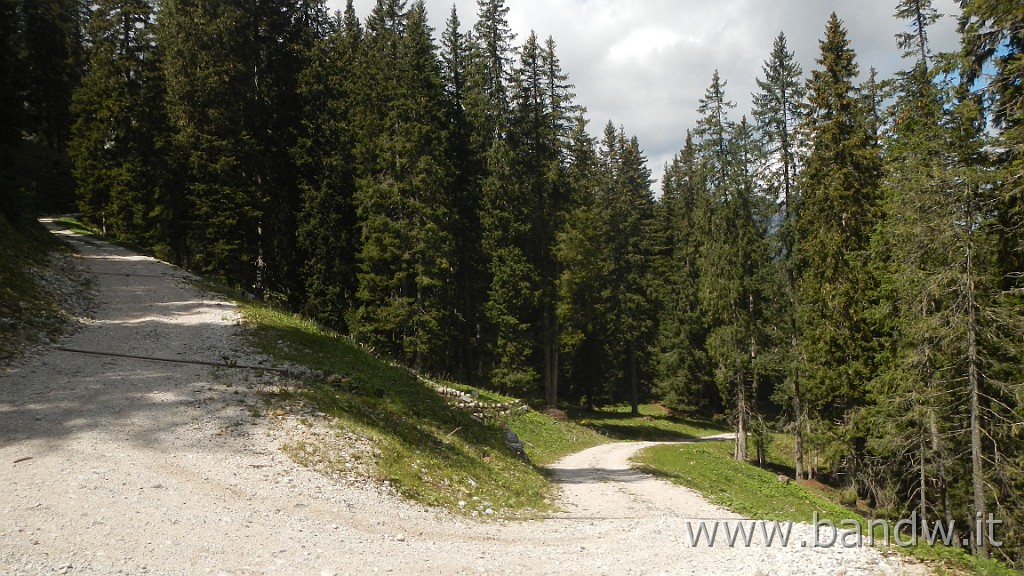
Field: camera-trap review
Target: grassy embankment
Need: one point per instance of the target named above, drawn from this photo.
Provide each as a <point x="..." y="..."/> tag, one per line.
<point x="28" y="313"/>
<point x="757" y="493"/>
<point x="428" y="450"/>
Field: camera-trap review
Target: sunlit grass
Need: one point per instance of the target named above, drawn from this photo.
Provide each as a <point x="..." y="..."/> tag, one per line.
<point x="429" y="451"/>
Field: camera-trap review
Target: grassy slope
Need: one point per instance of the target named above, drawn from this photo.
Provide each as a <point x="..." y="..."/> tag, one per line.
<point x="745" y="489"/>
<point x="429" y="451"/>
<point x="757" y="493"/>
<point x="26" y="310"/>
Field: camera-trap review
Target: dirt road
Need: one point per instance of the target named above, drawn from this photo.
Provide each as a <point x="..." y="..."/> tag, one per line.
<point x="116" y="465"/>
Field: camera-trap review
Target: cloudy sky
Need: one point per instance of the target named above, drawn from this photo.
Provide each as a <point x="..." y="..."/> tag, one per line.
<point x="644" y="64"/>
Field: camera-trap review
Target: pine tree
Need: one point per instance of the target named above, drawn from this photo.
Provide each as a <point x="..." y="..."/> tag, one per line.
<point x="11" y="199"/>
<point x="489" y="73"/>
<point x="470" y="263"/>
<point x="778" y="111"/>
<point x="325" y="158"/>
<point x="117" y="142"/>
<point x="525" y="202"/>
<point x="838" y="210"/>
<point x="584" y="264"/>
<point x="683" y="372"/>
<point x="731" y="264"/>
<point x="406" y="246"/>
<point x="51" y="57"/>
<point x="992" y="43"/>
<point x="232" y="81"/>
<point x="629" y="208"/>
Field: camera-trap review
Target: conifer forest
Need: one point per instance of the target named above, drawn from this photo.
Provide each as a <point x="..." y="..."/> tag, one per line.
<point x="842" y="263"/>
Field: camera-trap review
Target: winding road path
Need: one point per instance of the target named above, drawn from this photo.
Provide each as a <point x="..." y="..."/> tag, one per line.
<point x="119" y="465"/>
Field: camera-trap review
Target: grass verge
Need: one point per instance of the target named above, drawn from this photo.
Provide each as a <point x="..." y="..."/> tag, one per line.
<point x="429" y="451"/>
<point x="655" y="423"/>
<point x="708" y="467"/>
<point x="28" y="313"/>
<point x="755" y="493"/>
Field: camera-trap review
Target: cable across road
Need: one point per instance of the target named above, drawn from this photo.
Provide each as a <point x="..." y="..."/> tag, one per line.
<point x="172" y="360"/>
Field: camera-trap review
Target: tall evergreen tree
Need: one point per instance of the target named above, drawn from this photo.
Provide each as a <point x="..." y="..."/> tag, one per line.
<point x="731" y="264"/>
<point x="232" y="80"/>
<point x="50" y="39"/>
<point x="470" y="263"/>
<point x="489" y="73"/>
<point x="325" y="157"/>
<point x="119" y="136"/>
<point x="838" y="210"/>
<point x="402" y="196"/>
<point x="683" y="373"/>
<point x="584" y="264"/>
<point x="778" y="112"/>
<point x="10" y="106"/>
<point x="629" y="207"/>
<point x="525" y="201"/>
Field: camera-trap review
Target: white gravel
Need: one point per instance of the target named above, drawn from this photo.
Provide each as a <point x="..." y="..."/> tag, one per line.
<point x="113" y="465"/>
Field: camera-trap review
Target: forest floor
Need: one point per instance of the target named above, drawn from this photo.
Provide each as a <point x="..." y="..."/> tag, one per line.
<point x="114" y="464"/>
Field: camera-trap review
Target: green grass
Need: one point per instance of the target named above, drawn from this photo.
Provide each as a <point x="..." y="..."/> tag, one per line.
<point x="654" y="423"/>
<point x="745" y="489"/>
<point x="708" y="467"/>
<point x="428" y="451"/>
<point x="548" y="439"/>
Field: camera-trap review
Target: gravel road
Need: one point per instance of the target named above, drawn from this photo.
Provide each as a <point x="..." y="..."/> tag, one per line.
<point x="117" y="465"/>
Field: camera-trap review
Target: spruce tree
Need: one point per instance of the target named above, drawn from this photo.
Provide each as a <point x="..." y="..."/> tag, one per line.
<point x="50" y="40"/>
<point x="470" y="263"/>
<point x="629" y="207"/>
<point x="117" y="141"/>
<point x="525" y="202"/>
<point x="404" y="293"/>
<point x="584" y="264"/>
<point x="232" y="81"/>
<point x="683" y="374"/>
<point x="11" y="107"/>
<point x="838" y="211"/>
<point x="778" y="112"/>
<point x="325" y="158"/>
<point x="731" y="264"/>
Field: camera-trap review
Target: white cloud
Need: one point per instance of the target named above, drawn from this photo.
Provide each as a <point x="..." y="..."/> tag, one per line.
<point x="644" y="64"/>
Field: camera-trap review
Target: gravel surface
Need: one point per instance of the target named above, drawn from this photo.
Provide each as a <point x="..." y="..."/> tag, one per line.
<point x="117" y="465"/>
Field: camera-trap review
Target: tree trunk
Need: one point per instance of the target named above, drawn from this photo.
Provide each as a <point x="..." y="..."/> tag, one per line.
<point x="550" y="393"/>
<point x="980" y="546"/>
<point x="634" y="380"/>
<point x="741" y="419"/>
<point x="798" y="428"/>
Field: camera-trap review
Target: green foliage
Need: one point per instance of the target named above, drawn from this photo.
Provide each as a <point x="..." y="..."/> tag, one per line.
<point x="325" y="158"/>
<point x="232" y="76"/>
<point x="838" y="211"/>
<point x="682" y="367"/>
<point x="120" y="131"/>
<point x="404" y="280"/>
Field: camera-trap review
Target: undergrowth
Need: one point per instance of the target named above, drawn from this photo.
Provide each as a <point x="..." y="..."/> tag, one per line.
<point x="27" y="311"/>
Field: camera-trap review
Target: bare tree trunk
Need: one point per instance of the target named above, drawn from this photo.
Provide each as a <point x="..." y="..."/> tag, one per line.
<point x="741" y="419"/>
<point x="634" y="380"/>
<point x="550" y="392"/>
<point x="980" y="546"/>
<point x="798" y="428"/>
<point x="922" y="505"/>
